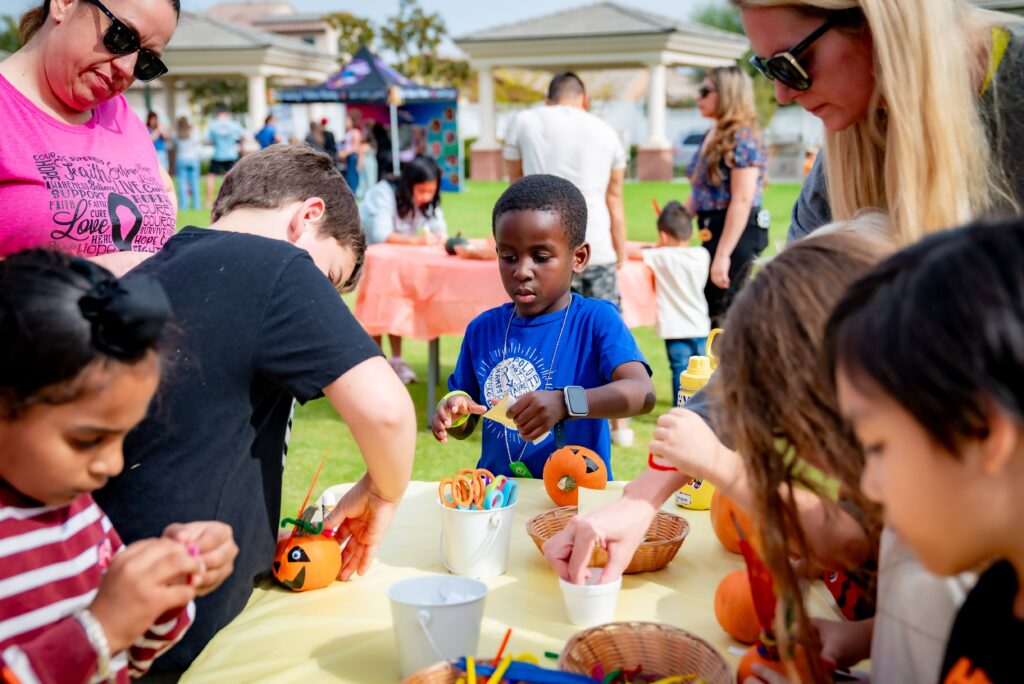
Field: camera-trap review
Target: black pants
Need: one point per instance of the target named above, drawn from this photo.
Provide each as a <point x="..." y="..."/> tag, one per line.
<point x="751" y="244"/>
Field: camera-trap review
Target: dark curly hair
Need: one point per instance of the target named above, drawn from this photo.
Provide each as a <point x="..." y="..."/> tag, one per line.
<point x="543" y="192"/>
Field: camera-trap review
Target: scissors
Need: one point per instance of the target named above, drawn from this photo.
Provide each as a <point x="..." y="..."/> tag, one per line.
<point x="466" y="490"/>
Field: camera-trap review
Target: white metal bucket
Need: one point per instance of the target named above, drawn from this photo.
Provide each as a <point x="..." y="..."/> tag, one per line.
<point x="475" y="543"/>
<point x="435" y="618"/>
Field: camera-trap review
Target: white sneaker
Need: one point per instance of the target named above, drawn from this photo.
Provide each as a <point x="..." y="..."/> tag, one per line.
<point x="623" y="437"/>
<point x="404" y="371"/>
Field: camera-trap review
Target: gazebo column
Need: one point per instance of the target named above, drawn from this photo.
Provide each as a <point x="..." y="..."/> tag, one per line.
<point x="486" y="163"/>
<point x="654" y="158"/>
<point x="257" y="101"/>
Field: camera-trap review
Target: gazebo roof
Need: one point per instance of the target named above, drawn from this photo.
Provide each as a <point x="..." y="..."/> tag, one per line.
<point x="602" y="35"/>
<point x="204" y="46"/>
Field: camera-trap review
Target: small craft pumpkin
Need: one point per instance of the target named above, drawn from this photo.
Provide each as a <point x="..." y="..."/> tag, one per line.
<point x="569" y="468"/>
<point x="734" y="607"/>
<point x="722" y="510"/>
<point x="305" y="562"/>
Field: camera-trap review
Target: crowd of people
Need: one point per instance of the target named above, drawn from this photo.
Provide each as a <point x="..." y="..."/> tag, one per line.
<point x="868" y="373"/>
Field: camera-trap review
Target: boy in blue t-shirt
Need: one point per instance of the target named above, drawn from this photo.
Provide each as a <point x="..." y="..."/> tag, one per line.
<point x="567" y="362"/>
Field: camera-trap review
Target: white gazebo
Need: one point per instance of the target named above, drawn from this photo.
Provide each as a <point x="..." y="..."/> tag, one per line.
<point x="204" y="47"/>
<point x="604" y="35"/>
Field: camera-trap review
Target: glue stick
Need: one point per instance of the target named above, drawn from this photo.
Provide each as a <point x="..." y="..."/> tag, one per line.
<point x="327" y="504"/>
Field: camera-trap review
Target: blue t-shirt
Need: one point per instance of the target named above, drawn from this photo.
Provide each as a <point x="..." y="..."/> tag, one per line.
<point x="594" y="343"/>
<point x="224" y="135"/>
<point x="266" y="136"/>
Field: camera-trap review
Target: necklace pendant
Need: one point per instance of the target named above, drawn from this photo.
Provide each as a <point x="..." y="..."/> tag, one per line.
<point x="519" y="469"/>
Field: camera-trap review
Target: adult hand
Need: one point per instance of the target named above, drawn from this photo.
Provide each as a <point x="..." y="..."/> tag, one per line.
<point x="431" y="238"/>
<point x="144" y="581"/>
<point x="682" y="438"/>
<point x="361" y="517"/>
<point x="720" y="270"/>
<point x="537" y="412"/>
<point x="450" y="410"/>
<point x="217" y="550"/>
<point x="618" y="529"/>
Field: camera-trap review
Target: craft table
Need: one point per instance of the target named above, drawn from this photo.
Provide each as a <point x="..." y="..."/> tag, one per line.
<point x="422" y="293"/>
<point x="343" y="633"/>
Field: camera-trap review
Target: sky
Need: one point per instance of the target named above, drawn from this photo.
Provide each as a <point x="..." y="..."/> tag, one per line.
<point x="461" y="16"/>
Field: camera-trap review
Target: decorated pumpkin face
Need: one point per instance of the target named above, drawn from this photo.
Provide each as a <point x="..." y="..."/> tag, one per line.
<point x="307" y="562"/>
<point x="572" y="467"/>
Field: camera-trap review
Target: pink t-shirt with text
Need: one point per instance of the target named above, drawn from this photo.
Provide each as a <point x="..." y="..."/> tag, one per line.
<point x="87" y="189"/>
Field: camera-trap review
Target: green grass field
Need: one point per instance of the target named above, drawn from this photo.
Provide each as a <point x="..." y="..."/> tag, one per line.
<point x="317" y="427"/>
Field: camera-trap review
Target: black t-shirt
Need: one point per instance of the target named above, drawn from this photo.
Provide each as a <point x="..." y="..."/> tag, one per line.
<point x="986" y="638"/>
<point x="255" y="324"/>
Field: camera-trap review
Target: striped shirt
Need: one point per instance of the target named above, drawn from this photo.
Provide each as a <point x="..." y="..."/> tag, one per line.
<point x="52" y="559"/>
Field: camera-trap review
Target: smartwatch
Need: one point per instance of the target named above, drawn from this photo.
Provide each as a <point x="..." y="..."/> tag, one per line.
<point x="576" y="401"/>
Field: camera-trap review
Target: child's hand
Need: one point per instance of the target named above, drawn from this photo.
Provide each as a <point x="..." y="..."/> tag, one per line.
<point x="449" y="411"/>
<point x="143" y="582"/>
<point x="683" y="439"/>
<point x="537" y="412"/>
<point x="843" y="643"/>
<point x="213" y="544"/>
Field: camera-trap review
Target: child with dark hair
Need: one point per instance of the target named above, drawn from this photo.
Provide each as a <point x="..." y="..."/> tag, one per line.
<point x="80" y="367"/>
<point x="256" y="298"/>
<point x="565" y="362"/>
<point x="406" y="211"/>
<point x="928" y="355"/>
<point x="680" y="274"/>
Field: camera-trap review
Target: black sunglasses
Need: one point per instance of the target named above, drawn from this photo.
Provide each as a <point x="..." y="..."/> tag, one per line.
<point x="121" y="39"/>
<point x="704" y="91"/>
<point x="784" y="66"/>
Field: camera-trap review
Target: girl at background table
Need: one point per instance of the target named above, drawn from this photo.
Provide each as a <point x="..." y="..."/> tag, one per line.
<point x="159" y="137"/>
<point x="405" y="210"/>
<point x="939" y="409"/>
<point x="77" y="604"/>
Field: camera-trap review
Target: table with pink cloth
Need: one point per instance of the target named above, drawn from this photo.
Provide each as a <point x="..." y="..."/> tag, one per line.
<point x="422" y="292"/>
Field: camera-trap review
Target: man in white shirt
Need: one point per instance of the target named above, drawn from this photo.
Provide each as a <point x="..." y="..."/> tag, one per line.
<point x="565" y="140"/>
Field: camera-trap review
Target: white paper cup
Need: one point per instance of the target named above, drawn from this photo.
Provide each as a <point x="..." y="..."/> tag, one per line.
<point x="590" y="604"/>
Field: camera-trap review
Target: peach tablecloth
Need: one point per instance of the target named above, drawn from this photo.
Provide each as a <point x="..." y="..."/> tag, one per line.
<point x="423" y="293"/>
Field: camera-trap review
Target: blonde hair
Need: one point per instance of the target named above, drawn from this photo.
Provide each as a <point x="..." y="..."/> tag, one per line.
<point x="735" y="111"/>
<point x="921" y="153"/>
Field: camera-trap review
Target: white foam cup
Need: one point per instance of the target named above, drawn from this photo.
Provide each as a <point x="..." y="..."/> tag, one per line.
<point x="590" y="604"/>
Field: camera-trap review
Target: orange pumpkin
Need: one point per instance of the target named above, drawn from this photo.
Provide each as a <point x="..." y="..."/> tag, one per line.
<point x="307" y="562"/>
<point x="734" y="607"/>
<point x="569" y="468"/>
<point x="722" y="508"/>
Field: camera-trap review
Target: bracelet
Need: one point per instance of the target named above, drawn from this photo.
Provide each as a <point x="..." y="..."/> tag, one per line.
<point x="98" y="639"/>
<point x="461" y="420"/>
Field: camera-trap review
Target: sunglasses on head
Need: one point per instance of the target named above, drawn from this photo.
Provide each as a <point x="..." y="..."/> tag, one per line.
<point x="784" y="66"/>
<point x="704" y="91"/>
<point x="120" y="39"/>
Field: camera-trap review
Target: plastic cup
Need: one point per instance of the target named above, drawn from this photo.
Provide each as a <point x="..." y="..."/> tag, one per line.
<point x="590" y="604"/>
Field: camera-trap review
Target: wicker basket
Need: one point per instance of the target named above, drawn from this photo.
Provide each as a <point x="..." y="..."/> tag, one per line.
<point x="660" y="545"/>
<point x="660" y="649"/>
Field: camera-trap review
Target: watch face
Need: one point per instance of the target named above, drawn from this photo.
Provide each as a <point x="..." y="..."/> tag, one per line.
<point x="576" y="398"/>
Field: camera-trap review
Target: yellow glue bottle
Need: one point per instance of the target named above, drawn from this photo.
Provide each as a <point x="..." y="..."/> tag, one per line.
<point x="696" y="496"/>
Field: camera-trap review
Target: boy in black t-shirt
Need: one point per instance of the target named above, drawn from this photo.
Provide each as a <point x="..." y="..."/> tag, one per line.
<point x="261" y="324"/>
<point x="928" y="350"/>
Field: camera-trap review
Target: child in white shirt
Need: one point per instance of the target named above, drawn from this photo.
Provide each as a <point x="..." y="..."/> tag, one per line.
<point x="680" y="273"/>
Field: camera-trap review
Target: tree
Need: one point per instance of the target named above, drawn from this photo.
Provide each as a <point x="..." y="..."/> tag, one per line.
<point x="727" y="18"/>
<point x="210" y="94"/>
<point x="413" y="36"/>
<point x="10" y="41"/>
<point x="355" y="32"/>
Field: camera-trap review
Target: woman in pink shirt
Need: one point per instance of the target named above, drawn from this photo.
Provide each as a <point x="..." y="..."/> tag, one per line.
<point x="78" y="172"/>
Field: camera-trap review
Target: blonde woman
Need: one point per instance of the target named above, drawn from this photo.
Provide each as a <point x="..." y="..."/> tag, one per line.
<point x="928" y="129"/>
<point x="727" y="179"/>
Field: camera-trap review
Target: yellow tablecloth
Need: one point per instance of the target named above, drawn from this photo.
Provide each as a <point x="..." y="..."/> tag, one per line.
<point x="343" y="633"/>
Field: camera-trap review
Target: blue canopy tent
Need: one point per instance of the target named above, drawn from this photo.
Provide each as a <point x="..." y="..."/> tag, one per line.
<point x="369" y="85"/>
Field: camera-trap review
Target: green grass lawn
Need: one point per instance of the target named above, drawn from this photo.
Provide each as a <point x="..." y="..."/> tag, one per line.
<point x="317" y="427"/>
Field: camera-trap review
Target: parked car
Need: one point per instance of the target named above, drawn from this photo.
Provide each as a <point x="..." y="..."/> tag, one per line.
<point x="687" y="145"/>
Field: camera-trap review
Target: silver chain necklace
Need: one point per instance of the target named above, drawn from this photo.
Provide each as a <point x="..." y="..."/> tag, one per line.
<point x="517" y="466"/>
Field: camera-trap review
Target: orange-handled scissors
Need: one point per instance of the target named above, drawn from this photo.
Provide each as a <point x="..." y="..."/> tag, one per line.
<point x="466" y="490"/>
